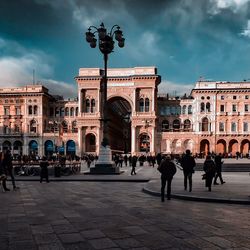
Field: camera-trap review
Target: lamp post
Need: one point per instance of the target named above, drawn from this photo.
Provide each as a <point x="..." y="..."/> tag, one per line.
<point x="106" y="43"/>
<point x="106" y="46"/>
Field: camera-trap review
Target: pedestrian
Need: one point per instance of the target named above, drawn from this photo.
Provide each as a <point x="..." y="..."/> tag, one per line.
<point x="188" y="164"/>
<point x="218" y="166"/>
<point x="167" y="169"/>
<point x="133" y="161"/>
<point x="209" y="169"/>
<point x="3" y="173"/>
<point x="8" y="165"/>
<point x="44" y="174"/>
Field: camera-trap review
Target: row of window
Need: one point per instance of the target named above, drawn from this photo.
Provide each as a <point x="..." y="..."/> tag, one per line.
<point x="7" y="110"/>
<point x="222" y="97"/>
<point x="175" y="110"/>
<point x="234" y="108"/>
<point x="175" y="125"/>
<point x="61" y="112"/>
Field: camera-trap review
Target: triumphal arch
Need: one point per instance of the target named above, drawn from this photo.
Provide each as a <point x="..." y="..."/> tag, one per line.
<point x="131" y="100"/>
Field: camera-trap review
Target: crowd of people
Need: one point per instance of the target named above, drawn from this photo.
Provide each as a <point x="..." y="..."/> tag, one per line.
<point x="166" y="165"/>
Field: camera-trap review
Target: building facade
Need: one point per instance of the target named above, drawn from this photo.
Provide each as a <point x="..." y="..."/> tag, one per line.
<point x="215" y="117"/>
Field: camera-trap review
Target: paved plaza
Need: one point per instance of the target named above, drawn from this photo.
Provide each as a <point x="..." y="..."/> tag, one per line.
<point x="117" y="215"/>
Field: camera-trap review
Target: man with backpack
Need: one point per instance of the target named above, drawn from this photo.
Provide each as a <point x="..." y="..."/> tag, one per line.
<point x="167" y="169"/>
<point x="188" y="164"/>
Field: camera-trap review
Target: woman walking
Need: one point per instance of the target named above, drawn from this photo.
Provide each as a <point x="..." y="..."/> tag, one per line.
<point x="3" y="173"/>
<point x="209" y="169"/>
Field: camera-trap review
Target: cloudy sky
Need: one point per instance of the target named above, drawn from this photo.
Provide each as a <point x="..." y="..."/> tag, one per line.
<point x="184" y="39"/>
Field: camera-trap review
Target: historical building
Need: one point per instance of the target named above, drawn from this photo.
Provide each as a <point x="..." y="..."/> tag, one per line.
<point x="214" y="117"/>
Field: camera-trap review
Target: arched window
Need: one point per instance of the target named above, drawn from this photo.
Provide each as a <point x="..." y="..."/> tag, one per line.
<point x="87" y="106"/>
<point x="67" y="111"/>
<point x="178" y="110"/>
<point x="74" y="127"/>
<point x="77" y="111"/>
<point x="92" y="105"/>
<point x="33" y="126"/>
<point x="187" y="125"/>
<point x="173" y="110"/>
<point x="190" y="111"/>
<point x="204" y="124"/>
<point x="62" y="112"/>
<point x="64" y="127"/>
<point x="176" y="125"/>
<point x="71" y="111"/>
<point x="57" y="112"/>
<point x="146" y="105"/>
<point x="30" y="110"/>
<point x="35" y="110"/>
<point x="184" y="109"/>
<point x="141" y="105"/>
<point x="208" y="107"/>
<point x="165" y="125"/>
<point x="202" y="107"/>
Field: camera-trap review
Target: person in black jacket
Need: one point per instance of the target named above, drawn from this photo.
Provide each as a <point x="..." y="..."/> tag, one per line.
<point x="209" y="169"/>
<point x="218" y="164"/>
<point x="188" y="164"/>
<point x="7" y="164"/>
<point x="134" y="161"/>
<point x="3" y="173"/>
<point x="167" y="169"/>
<point x="44" y="170"/>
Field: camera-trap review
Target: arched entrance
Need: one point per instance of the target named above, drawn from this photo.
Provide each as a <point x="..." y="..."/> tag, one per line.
<point x="204" y="147"/>
<point x="233" y="147"/>
<point x="48" y="148"/>
<point x="33" y="148"/>
<point x="245" y="147"/>
<point x="17" y="148"/>
<point x="119" y="126"/>
<point x="221" y="146"/>
<point x="6" y="146"/>
<point x="71" y="148"/>
<point x="188" y="144"/>
<point x="90" y="143"/>
<point x="144" y="143"/>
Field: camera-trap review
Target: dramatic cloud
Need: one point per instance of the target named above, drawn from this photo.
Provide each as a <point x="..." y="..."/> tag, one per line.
<point x="246" y="31"/>
<point x="176" y="89"/>
<point x="234" y="5"/>
<point x="18" y="70"/>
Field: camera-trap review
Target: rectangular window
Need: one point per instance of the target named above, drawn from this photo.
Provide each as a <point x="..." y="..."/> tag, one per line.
<point x="18" y="110"/>
<point x="222" y="97"/>
<point x="234" y="97"/>
<point x="221" y="127"/>
<point x="222" y="108"/>
<point x="246" y="108"/>
<point x="246" y="97"/>
<point x="233" y="127"/>
<point x="6" y="110"/>
<point x="234" y="108"/>
<point x="245" y="127"/>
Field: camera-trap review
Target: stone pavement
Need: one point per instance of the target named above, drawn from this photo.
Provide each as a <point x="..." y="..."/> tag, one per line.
<point x="115" y="215"/>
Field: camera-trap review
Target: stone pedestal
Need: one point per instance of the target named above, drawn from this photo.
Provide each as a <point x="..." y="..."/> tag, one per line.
<point x="105" y="165"/>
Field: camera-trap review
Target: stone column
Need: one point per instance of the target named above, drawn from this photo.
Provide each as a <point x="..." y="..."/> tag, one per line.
<point x="133" y="140"/>
<point x="80" y="102"/>
<point x="80" y="141"/>
<point x="153" y="100"/>
<point x="134" y="100"/>
<point x="152" y="144"/>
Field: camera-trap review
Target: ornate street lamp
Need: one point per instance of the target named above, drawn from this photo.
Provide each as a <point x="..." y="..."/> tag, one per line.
<point x="106" y="46"/>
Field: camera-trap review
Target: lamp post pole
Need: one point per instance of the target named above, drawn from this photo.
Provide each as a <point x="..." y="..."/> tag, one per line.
<point x="106" y="45"/>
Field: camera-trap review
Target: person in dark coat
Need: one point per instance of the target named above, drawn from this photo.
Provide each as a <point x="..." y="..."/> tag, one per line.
<point x="218" y="165"/>
<point x="167" y="169"/>
<point x="134" y="161"/>
<point x="209" y="169"/>
<point x="188" y="164"/>
<point x="44" y="174"/>
<point x="3" y="173"/>
<point x="7" y="164"/>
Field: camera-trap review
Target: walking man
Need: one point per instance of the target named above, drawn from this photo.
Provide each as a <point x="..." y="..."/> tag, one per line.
<point x="188" y="164"/>
<point x="134" y="161"/>
<point x="218" y="166"/>
<point x="167" y="169"/>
